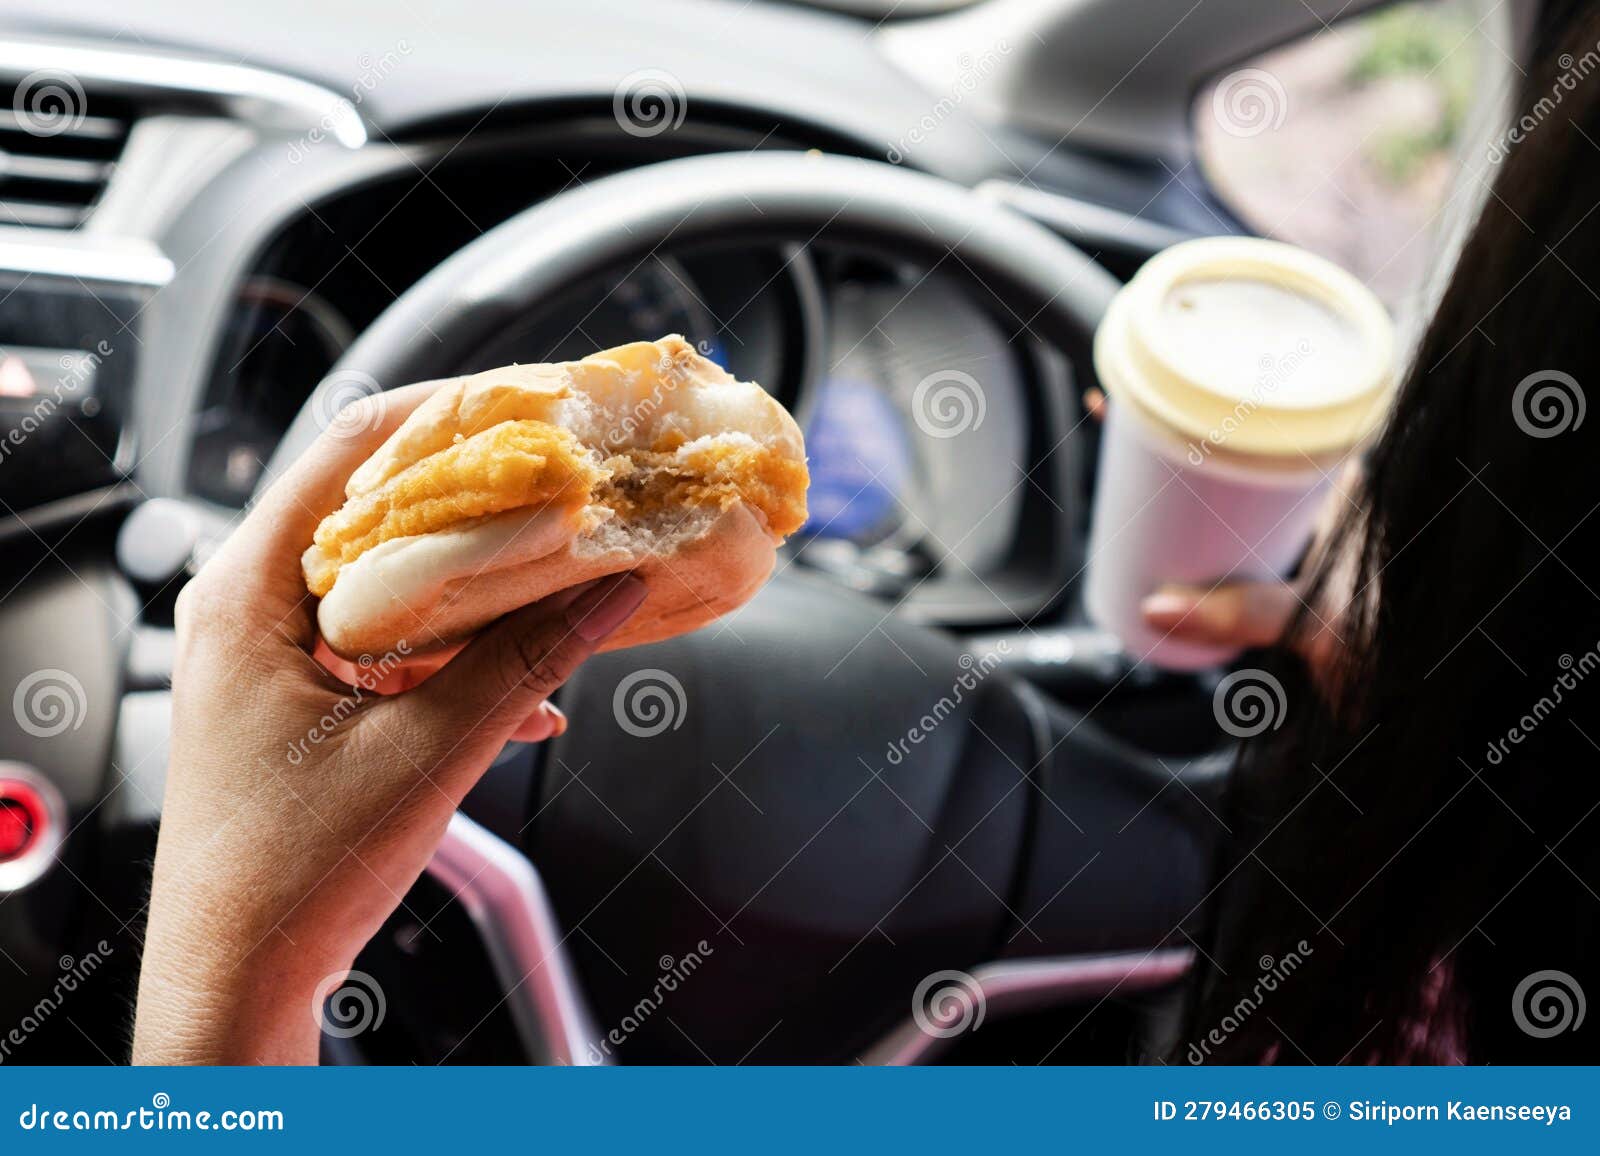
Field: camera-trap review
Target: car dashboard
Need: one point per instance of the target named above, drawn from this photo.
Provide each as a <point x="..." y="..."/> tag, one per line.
<point x="198" y="220"/>
<point x="248" y="224"/>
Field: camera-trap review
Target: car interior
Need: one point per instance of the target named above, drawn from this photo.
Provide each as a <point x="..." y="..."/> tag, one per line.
<point x="911" y="759"/>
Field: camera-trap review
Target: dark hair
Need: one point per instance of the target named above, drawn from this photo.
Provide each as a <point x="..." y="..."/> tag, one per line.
<point x="1427" y="817"/>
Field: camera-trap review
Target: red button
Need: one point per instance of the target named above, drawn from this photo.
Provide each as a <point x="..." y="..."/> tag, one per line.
<point x="16" y="832"/>
<point x="22" y="816"/>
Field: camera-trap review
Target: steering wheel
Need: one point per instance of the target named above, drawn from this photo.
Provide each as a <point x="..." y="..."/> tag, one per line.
<point x="828" y="833"/>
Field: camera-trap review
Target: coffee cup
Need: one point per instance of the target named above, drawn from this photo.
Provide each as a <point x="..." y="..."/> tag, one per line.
<point x="1239" y="374"/>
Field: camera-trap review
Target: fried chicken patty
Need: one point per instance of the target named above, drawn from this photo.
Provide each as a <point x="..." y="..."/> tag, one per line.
<point x="520" y="464"/>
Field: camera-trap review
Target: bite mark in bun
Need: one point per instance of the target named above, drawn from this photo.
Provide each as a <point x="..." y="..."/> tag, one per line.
<point x="512" y="484"/>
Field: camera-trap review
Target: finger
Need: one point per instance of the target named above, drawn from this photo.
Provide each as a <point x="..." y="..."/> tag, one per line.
<point x="546" y="722"/>
<point x="475" y="704"/>
<point x="383" y="677"/>
<point x="1094" y="403"/>
<point x="1238" y="614"/>
<point x="266" y="547"/>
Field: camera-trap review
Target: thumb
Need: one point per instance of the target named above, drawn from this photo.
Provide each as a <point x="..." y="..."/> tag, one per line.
<point x="1244" y="614"/>
<point x="483" y="695"/>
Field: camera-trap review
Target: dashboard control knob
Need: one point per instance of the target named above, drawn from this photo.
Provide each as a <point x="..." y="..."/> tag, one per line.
<point x="160" y="540"/>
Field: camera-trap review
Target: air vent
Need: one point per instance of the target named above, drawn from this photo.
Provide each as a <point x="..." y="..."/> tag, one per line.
<point x="58" y="146"/>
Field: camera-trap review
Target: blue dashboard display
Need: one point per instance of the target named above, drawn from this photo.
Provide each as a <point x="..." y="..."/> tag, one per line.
<point x="860" y="461"/>
<point x="711" y="347"/>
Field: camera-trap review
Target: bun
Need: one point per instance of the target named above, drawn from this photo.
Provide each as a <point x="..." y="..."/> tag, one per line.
<point x="513" y="484"/>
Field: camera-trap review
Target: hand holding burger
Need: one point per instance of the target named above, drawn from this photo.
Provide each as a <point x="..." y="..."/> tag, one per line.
<point x="524" y="518"/>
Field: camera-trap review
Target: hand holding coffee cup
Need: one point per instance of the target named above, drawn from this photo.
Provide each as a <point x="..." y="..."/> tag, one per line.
<point x="1241" y="373"/>
<point x="1257" y="612"/>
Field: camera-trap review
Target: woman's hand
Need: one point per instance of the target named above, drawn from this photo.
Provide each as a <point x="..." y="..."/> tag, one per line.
<point x="1239" y="615"/>
<point x="1252" y="614"/>
<point x="1245" y="615"/>
<point x="301" y="807"/>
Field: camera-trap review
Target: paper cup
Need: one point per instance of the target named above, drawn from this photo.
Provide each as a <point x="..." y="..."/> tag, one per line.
<point x="1240" y="373"/>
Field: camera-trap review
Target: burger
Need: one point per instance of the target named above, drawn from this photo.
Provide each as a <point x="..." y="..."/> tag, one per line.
<point x="513" y="484"/>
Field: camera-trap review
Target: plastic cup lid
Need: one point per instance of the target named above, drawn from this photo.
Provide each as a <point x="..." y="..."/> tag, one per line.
<point x="1254" y="347"/>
